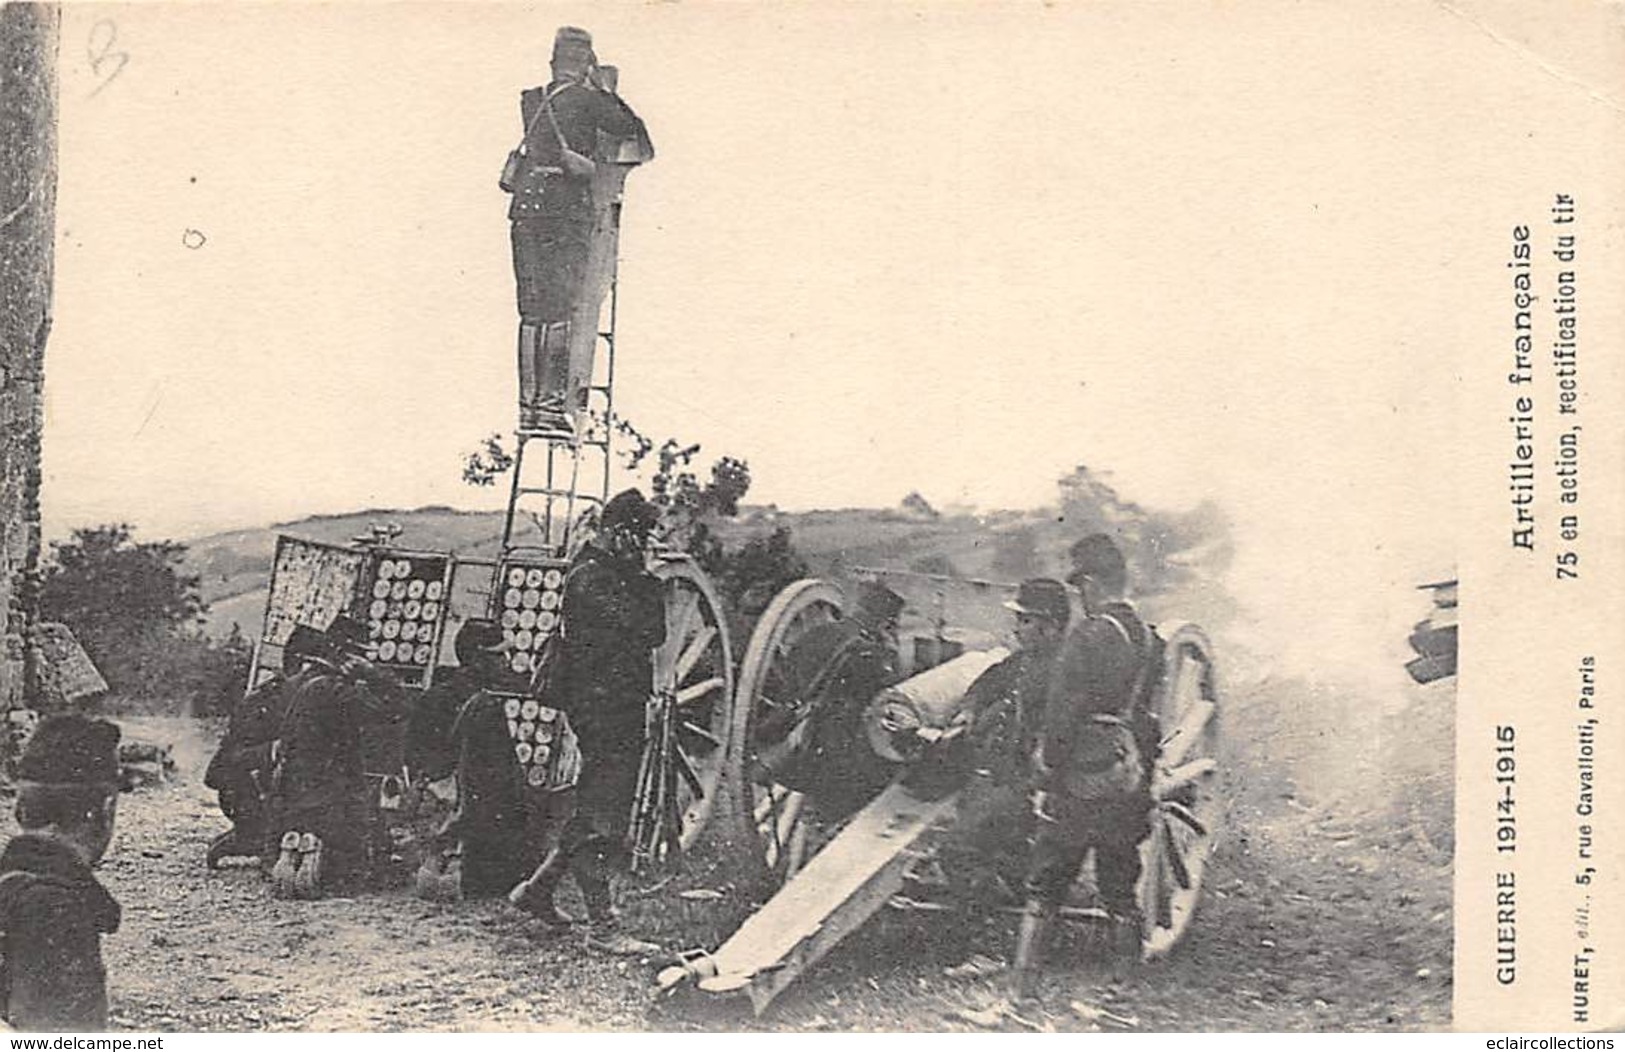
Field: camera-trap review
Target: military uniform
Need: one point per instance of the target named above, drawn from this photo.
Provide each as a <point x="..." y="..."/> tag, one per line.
<point x="1092" y="770"/>
<point x="552" y="210"/>
<point x="834" y="670"/>
<point x="992" y="764"/>
<point x="489" y="822"/>
<point x="54" y="914"/>
<point x="614" y="616"/>
<point x="566" y="177"/>
<point x="320" y="780"/>
<point x="431" y="747"/>
<point x="240" y="771"/>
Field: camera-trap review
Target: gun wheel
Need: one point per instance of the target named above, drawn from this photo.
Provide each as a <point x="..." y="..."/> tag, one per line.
<point x="1188" y="800"/>
<point x="689" y="718"/>
<point x="770" y="817"/>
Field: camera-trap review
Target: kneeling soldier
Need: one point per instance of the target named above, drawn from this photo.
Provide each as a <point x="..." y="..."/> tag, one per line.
<point x="321" y="809"/>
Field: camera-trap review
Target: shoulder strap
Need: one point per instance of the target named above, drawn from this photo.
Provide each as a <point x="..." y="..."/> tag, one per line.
<point x="547" y="108"/>
<point x="1122" y="629"/>
<point x="552" y="118"/>
<point x="1142" y="648"/>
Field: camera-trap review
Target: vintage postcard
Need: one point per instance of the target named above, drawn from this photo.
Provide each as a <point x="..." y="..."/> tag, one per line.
<point x="1051" y="516"/>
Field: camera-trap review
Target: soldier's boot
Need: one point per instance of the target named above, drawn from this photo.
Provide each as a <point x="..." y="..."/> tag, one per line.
<point x="551" y="418"/>
<point x="530" y="339"/>
<point x="604" y="932"/>
<point x="1024" y="971"/>
<point x="534" y="894"/>
<point x="222" y="847"/>
<point x="286" y="869"/>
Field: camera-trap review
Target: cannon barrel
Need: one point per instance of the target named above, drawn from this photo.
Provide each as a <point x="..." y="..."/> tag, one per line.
<point x="903" y="719"/>
<point x="858" y="871"/>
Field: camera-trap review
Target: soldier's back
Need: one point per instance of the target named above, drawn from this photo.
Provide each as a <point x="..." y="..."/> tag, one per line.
<point x="53" y="914"/>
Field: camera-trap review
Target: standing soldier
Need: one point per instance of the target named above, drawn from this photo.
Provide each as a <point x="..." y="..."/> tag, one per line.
<point x="1091" y="769"/>
<point x="553" y="214"/>
<point x="614" y="617"/>
<point x="53" y="912"/>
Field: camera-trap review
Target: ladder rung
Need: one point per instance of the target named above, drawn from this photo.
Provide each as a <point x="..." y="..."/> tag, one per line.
<point x="545" y="491"/>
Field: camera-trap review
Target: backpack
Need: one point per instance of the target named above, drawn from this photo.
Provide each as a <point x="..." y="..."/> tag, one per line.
<point x="1141" y="711"/>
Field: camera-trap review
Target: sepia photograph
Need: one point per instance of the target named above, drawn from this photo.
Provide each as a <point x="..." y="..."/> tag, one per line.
<point x="797" y="517"/>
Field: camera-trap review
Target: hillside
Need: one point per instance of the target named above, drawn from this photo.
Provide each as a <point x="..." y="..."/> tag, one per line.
<point x="1004" y="546"/>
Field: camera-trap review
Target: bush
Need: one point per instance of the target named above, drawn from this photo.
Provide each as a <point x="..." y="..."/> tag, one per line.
<point x="139" y="617"/>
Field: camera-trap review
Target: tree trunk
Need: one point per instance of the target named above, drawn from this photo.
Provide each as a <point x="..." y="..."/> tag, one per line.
<point x="28" y="50"/>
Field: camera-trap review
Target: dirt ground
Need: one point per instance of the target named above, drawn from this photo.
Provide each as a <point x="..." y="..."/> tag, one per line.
<point x="1327" y="907"/>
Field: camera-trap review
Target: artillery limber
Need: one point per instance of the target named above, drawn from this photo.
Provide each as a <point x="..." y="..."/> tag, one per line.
<point x="824" y="887"/>
<point x="412" y="603"/>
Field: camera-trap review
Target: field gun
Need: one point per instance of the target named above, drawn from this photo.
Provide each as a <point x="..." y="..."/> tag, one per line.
<point x="824" y="893"/>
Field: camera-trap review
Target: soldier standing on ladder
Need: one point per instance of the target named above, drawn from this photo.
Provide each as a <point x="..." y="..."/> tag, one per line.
<point x="553" y="213"/>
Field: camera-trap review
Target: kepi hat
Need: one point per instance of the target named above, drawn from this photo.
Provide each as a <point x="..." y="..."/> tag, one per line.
<point x="71" y="749"/>
<point x="876" y="599"/>
<point x="571" y="38"/>
<point x="1042" y="597"/>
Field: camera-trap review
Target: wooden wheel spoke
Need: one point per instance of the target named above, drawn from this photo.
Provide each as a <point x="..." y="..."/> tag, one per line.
<point x="770" y="722"/>
<point x="1163" y="899"/>
<point x="700" y="732"/>
<point x="685" y="770"/>
<point x="689" y="694"/>
<point x="683" y="614"/>
<point x="1185" y="815"/>
<point x="1179" y="742"/>
<point x="1169" y="781"/>
<point x="1176" y="861"/>
<point x="788" y="817"/>
<point x="769" y="801"/>
<point x="694" y="651"/>
<point x="1151" y="879"/>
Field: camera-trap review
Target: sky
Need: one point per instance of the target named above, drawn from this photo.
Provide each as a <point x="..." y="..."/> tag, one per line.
<point x="1238" y="252"/>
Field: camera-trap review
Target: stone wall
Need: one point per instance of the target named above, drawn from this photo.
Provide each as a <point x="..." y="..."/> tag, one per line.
<point x="28" y="47"/>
